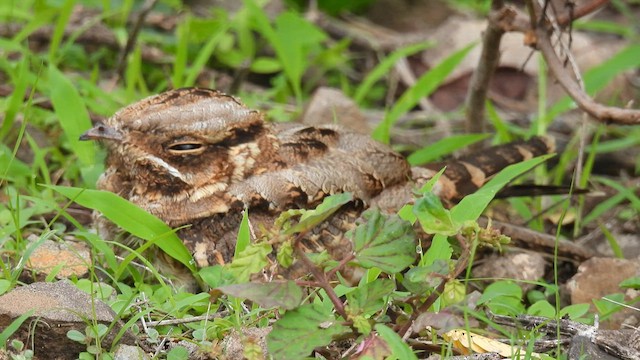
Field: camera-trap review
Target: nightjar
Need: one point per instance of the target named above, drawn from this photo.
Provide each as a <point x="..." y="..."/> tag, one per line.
<point x="198" y="157"/>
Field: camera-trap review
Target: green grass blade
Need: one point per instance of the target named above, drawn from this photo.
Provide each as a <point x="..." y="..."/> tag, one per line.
<point x="131" y="218"/>
<point x="64" y="14"/>
<point x="443" y="147"/>
<point x="14" y="326"/>
<point x="472" y="206"/>
<point x="383" y="68"/>
<point x="205" y="54"/>
<point x="72" y="114"/>
<point x="425" y="86"/>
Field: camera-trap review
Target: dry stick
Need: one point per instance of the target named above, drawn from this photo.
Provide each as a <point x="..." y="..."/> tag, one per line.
<point x="530" y="239"/>
<point x="187" y="320"/>
<point x="581" y="11"/>
<point x="489" y="58"/>
<point x="620" y="343"/>
<point x="598" y="111"/>
<point x="131" y="42"/>
<point x="320" y="277"/>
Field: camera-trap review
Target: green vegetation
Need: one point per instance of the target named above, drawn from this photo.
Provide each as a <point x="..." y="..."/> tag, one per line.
<point x="55" y="90"/>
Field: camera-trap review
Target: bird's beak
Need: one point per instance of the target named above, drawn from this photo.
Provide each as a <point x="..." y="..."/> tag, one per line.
<point x="101" y="132"/>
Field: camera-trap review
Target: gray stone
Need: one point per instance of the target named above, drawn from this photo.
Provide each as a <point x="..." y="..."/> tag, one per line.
<point x="57" y="308"/>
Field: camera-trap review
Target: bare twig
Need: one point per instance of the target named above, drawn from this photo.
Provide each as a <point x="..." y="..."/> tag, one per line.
<point x="321" y="278"/>
<point x="188" y="320"/>
<point x="621" y="343"/>
<point x="133" y="37"/>
<point x="581" y="11"/>
<point x="584" y="101"/>
<point x="489" y="58"/>
<point x="530" y="239"/>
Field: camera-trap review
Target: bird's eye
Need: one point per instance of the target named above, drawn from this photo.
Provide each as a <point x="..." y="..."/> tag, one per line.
<point x="186" y="148"/>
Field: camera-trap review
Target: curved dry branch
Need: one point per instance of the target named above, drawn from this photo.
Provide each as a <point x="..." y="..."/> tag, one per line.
<point x="585" y="102"/>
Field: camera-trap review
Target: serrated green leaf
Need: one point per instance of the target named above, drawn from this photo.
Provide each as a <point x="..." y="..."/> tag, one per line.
<point x="72" y="113"/>
<point x="420" y="279"/>
<point x="130" y="218"/>
<point x="250" y="261"/>
<point x="284" y="256"/>
<point x="361" y="323"/>
<point x="369" y="298"/>
<point x="311" y="218"/>
<point x="216" y="275"/>
<point x="433" y="217"/>
<point x="282" y="294"/>
<point x="386" y="242"/>
<point x="299" y="331"/>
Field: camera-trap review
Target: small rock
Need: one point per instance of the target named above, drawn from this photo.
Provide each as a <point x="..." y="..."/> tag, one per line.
<point x="235" y="344"/>
<point x="129" y="352"/>
<point x="332" y="106"/>
<point x="598" y="277"/>
<point x="75" y="257"/>
<point x="527" y="266"/>
<point x="58" y="307"/>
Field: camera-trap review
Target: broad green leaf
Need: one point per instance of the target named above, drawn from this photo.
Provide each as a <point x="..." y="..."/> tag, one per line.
<point x="311" y="218"/>
<point x="631" y="283"/>
<point x="4" y="286"/>
<point x="77" y="336"/>
<point x="249" y="261"/>
<point x="72" y="114"/>
<point x="130" y="218"/>
<point x="503" y="297"/>
<point x="399" y="348"/>
<point x="299" y="331"/>
<point x="368" y="298"/>
<point x="20" y="80"/>
<point x="443" y="147"/>
<point x="420" y="279"/>
<point x="424" y="86"/>
<point x="472" y="206"/>
<point x="609" y="304"/>
<point x="542" y="308"/>
<point x="264" y="65"/>
<point x="382" y="69"/>
<point x="177" y="353"/>
<point x="385" y="242"/>
<point x="216" y="275"/>
<point x="282" y="294"/>
<point x="433" y="217"/>
<point x="574" y="311"/>
<point x="10" y="167"/>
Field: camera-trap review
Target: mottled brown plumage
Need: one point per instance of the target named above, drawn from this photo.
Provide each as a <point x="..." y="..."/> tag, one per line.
<point x="198" y="157"/>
